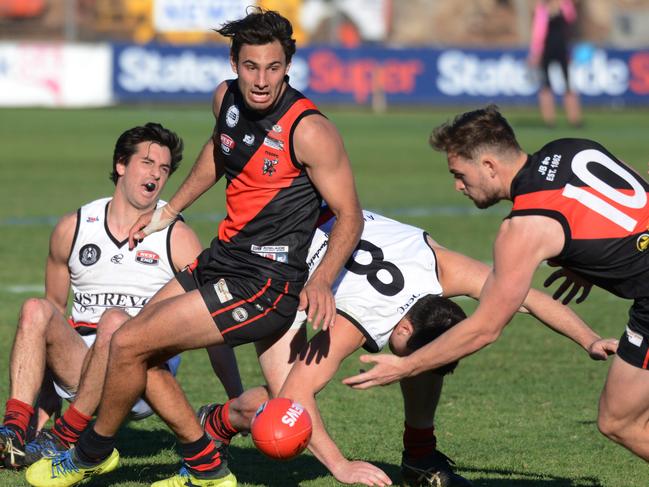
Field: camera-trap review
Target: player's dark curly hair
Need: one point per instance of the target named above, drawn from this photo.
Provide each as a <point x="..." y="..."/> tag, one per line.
<point x="470" y="132"/>
<point x="257" y="28"/>
<point x="126" y="145"/>
<point x="430" y="317"/>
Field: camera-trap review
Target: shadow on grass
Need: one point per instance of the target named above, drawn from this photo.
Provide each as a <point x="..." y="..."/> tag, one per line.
<point x="137" y="443"/>
<point x="525" y="479"/>
<point x="251" y="467"/>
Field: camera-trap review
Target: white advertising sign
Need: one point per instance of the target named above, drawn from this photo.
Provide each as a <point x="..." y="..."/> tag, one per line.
<point x="196" y="15"/>
<point x="57" y="75"/>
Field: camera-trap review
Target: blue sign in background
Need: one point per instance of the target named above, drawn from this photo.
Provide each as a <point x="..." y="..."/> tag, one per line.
<point x="402" y="76"/>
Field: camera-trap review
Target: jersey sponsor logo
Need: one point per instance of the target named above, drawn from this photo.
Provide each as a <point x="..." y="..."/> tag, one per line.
<point x="222" y="291"/>
<point x="87" y="301"/>
<point x="633" y="337"/>
<point x="147" y="257"/>
<point x="277" y="253"/>
<point x="117" y="258"/>
<point x="232" y="116"/>
<point x="239" y="314"/>
<point x="249" y="139"/>
<point x="274" y="143"/>
<point x="642" y="243"/>
<point x="269" y="166"/>
<point x="227" y="144"/>
<point x="89" y="254"/>
<point x="406" y="306"/>
<point x="92" y="219"/>
<point x="315" y="258"/>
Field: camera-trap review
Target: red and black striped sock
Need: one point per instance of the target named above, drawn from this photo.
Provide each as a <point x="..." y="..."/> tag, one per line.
<point x="201" y="457"/>
<point x="69" y="427"/>
<point x="419" y="442"/>
<point x="218" y="424"/>
<point x="17" y="416"/>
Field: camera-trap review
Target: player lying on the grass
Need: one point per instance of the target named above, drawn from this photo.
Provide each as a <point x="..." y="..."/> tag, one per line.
<point x="88" y="253"/>
<point x="574" y="203"/>
<point x="387" y="295"/>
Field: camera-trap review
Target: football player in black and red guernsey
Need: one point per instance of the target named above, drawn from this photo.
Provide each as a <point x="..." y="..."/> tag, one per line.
<point x="575" y="204"/>
<point x="280" y="157"/>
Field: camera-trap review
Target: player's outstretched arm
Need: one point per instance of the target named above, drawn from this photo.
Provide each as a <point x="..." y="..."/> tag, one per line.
<point x="520" y="246"/>
<point x="462" y="275"/>
<point x="320" y="148"/>
<point x="565" y="321"/>
<point x="318" y="363"/>
<point x="205" y="172"/>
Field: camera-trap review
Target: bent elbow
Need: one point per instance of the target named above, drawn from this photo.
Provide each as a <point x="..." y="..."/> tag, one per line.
<point x="488" y="337"/>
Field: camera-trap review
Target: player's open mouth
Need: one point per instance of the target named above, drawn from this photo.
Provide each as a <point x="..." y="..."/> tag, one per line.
<point x="150" y="187"/>
<point x="259" y="96"/>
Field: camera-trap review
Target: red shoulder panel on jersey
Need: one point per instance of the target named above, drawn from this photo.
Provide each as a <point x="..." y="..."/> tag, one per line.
<point x="269" y="171"/>
<point x="585" y="220"/>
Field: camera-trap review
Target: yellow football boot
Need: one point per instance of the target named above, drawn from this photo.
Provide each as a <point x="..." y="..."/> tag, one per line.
<point x="61" y="470"/>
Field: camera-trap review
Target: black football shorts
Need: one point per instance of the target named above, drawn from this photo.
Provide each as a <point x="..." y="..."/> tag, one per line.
<point x="245" y="309"/>
<point x="634" y="343"/>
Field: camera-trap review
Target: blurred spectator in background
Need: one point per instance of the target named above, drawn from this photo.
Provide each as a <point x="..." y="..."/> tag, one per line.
<point x="551" y="32"/>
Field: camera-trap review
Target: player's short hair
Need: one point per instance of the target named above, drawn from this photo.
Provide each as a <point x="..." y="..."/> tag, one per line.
<point x="430" y="317"/>
<point x="126" y="145"/>
<point x="471" y="132"/>
<point x="257" y="28"/>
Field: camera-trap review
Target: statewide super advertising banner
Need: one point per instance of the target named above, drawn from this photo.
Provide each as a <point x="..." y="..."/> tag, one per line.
<point x="401" y="76"/>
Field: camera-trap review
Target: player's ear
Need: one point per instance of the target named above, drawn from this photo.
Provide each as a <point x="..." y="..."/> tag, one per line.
<point x="233" y="65"/>
<point x="404" y="328"/>
<point x="120" y="167"/>
<point x="489" y="163"/>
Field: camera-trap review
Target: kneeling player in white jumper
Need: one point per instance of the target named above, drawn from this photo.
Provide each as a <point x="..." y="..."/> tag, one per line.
<point x="89" y="254"/>
<point x="389" y="293"/>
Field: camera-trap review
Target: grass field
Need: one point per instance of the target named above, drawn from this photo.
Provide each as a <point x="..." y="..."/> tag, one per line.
<point x="520" y="413"/>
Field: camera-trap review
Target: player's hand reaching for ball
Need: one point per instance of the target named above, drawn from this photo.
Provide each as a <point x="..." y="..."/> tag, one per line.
<point x="358" y="472"/>
<point x="388" y="369"/>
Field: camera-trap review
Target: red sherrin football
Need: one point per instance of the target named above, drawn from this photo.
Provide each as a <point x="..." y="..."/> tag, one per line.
<point x="281" y="428"/>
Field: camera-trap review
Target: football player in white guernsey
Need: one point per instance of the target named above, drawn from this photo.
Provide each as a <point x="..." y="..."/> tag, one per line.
<point x="89" y="255"/>
<point x="390" y="293"/>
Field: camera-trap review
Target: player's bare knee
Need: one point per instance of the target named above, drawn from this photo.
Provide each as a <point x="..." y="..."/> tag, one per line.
<point x="109" y="323"/>
<point x="124" y="346"/>
<point x="35" y="315"/>
<point x="610" y="426"/>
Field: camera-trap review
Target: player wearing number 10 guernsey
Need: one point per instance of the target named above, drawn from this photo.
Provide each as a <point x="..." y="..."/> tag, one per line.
<point x="576" y="205"/>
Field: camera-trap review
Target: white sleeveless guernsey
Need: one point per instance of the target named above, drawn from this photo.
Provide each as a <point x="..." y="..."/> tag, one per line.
<point x="105" y="274"/>
<point x="391" y="269"/>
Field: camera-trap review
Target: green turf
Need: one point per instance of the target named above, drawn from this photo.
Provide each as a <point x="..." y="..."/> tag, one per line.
<point x="519" y="414"/>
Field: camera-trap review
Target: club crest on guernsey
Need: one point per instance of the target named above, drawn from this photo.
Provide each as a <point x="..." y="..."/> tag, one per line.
<point x="232" y="116"/>
<point x="269" y="166"/>
<point x="89" y="254"/>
